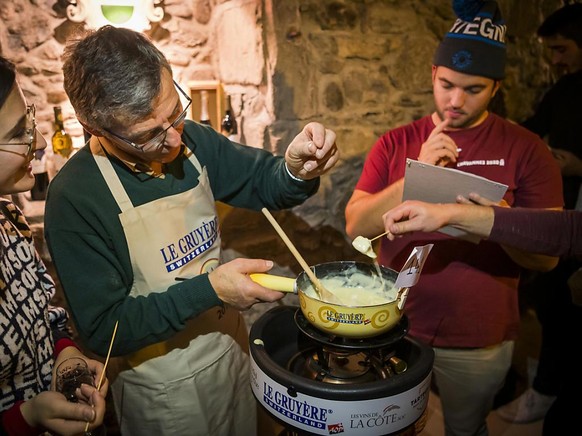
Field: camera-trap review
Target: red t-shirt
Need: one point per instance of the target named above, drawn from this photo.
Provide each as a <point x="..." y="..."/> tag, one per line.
<point x="467" y="293"/>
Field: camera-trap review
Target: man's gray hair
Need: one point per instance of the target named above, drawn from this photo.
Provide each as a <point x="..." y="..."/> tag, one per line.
<point x="112" y="77"/>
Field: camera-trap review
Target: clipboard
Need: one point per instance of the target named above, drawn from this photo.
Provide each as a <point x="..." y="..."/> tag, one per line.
<point x="434" y="184"/>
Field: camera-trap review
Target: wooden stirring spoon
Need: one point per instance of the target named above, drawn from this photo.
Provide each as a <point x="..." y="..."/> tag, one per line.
<point x="322" y="293"/>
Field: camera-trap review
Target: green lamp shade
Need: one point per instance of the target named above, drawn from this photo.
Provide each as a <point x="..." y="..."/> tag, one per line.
<point x="117" y="14"/>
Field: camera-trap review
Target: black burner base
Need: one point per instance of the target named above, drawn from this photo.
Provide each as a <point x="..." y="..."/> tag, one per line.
<point x="393" y="405"/>
<point x="280" y="340"/>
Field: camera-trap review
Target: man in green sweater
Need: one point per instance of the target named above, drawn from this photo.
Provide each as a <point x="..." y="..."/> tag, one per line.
<point x="133" y="232"/>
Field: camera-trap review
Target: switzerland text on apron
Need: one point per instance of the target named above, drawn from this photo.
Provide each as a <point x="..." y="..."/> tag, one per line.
<point x="196" y="383"/>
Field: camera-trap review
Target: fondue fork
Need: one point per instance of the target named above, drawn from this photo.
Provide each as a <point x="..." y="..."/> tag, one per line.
<point x="364" y="245"/>
<point x="87" y="432"/>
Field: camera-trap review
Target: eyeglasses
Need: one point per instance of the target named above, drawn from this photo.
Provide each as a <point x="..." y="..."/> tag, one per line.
<point x="158" y="140"/>
<point x="30" y="130"/>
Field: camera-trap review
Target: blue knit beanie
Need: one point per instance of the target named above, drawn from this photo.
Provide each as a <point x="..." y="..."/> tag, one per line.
<point x="475" y="44"/>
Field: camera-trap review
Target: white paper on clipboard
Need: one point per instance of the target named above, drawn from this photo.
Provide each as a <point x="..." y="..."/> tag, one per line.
<point x="434" y="184"/>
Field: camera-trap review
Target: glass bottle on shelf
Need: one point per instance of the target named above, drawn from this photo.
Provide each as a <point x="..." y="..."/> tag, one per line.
<point x="229" y="126"/>
<point x="41" y="178"/>
<point x="204" y="114"/>
<point x="61" y="140"/>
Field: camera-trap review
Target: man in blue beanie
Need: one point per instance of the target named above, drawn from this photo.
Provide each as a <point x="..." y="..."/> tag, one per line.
<point x="466" y="304"/>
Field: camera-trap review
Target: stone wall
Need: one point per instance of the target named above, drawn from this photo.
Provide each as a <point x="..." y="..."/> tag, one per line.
<point x="359" y="67"/>
<point x="364" y="67"/>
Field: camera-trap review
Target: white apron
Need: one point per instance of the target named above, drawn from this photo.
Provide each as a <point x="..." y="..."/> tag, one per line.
<point x="197" y="382"/>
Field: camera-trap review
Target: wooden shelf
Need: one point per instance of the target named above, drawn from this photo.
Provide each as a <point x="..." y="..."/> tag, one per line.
<point x="215" y="100"/>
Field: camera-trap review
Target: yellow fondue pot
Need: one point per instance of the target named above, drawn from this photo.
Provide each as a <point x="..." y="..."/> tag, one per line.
<point x="357" y="322"/>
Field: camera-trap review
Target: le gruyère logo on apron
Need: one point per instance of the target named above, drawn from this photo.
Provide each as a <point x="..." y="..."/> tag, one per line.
<point x="188" y="247"/>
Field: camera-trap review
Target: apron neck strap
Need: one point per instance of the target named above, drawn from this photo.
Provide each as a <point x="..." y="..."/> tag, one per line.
<point x="112" y="179"/>
<point x="192" y="158"/>
<point x="110" y="176"/>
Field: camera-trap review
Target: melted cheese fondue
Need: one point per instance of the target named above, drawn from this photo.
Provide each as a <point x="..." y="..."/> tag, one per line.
<point x="355" y="288"/>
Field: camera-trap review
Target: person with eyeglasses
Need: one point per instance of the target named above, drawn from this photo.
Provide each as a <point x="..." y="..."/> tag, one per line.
<point x="132" y="229"/>
<point x="34" y="339"/>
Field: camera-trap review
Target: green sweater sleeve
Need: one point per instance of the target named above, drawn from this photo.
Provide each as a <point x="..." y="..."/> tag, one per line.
<point x="97" y="284"/>
<point x="88" y="247"/>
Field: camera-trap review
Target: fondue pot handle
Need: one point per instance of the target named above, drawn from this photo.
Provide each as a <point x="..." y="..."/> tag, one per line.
<point x="277" y="283"/>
